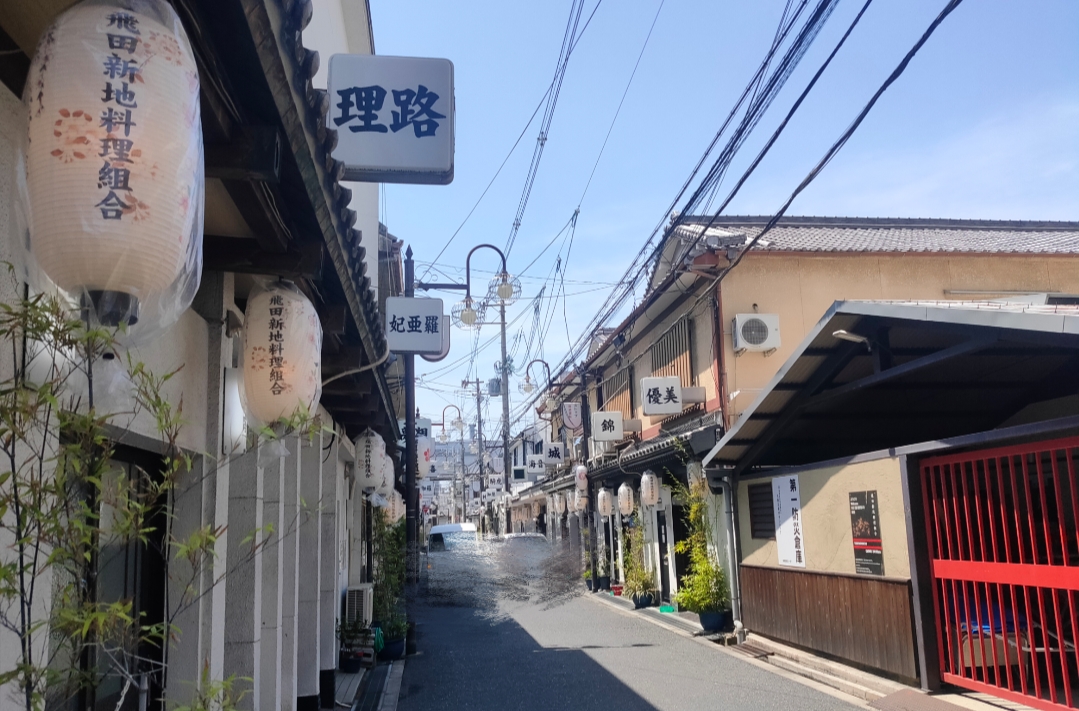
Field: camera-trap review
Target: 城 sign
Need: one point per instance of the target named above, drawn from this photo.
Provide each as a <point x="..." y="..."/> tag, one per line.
<point x="394" y="118"/>
<point x="414" y="325"/>
<point x="553" y="454"/>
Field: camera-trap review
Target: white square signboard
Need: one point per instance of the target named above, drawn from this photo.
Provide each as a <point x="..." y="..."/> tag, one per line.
<point x="790" y="538"/>
<point x="414" y="325"/>
<point x="554" y="454"/>
<point x="661" y="396"/>
<point x="607" y="426"/>
<point x="535" y="464"/>
<point x="394" y="118"/>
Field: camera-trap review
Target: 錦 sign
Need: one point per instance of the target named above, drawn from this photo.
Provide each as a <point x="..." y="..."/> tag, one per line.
<point x="607" y="426"/>
<point x="394" y="118"/>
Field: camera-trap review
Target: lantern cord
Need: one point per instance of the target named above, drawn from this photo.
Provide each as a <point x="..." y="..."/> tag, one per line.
<point x="354" y="371"/>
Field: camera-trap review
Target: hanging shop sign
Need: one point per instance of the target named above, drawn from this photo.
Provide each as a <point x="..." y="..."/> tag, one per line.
<point x="414" y="325"/>
<point x="607" y="426"/>
<point x="394" y="118"/>
<point x="571" y="416"/>
<point x="787" y="500"/>
<point x="282" y="355"/>
<point x="445" y="343"/>
<point x="425" y="453"/>
<point x="427" y="492"/>
<point x="865" y="530"/>
<point x="554" y="454"/>
<point x="661" y="396"/>
<point x="535" y="464"/>
<point x="112" y="188"/>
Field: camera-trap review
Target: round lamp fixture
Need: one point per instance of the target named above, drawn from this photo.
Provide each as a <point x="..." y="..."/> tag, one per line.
<point x="550" y="404"/>
<point x="527" y="386"/>
<point x="458" y="424"/>
<point x="504" y="288"/>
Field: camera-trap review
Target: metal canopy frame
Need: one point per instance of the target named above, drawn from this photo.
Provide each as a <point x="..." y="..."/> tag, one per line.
<point x="926" y="372"/>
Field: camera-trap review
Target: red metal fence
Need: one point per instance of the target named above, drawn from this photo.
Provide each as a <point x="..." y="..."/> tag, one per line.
<point x="1004" y="555"/>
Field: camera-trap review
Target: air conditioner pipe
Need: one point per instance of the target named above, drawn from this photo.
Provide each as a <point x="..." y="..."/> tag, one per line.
<point x="732" y="558"/>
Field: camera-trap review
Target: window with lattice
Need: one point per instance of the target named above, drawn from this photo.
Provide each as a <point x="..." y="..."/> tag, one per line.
<point x="672" y="354"/>
<point x="618" y="393"/>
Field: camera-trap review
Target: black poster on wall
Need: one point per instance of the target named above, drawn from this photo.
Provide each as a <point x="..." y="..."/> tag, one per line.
<point x="865" y="529"/>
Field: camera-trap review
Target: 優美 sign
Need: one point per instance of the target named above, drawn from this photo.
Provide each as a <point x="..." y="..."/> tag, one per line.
<point x="661" y="396"/>
<point x="394" y="118"/>
<point x="414" y="325"/>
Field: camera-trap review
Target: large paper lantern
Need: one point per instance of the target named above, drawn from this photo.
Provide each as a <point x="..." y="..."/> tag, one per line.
<point x="580" y="501"/>
<point x="625" y="499"/>
<point x="112" y="181"/>
<point x="580" y="476"/>
<point x="605" y="502"/>
<point x="282" y="354"/>
<point x="560" y="503"/>
<point x="370" y="455"/>
<point x="385" y="486"/>
<point x="649" y="489"/>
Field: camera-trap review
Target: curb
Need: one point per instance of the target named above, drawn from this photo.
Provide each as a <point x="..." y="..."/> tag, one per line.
<point x="391" y="692"/>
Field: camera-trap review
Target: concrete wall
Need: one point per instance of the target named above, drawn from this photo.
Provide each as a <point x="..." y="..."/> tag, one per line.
<point x="829" y="545"/>
<point x="800" y="288"/>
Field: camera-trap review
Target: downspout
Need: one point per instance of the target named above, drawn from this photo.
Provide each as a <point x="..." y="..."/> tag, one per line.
<point x="732" y="557"/>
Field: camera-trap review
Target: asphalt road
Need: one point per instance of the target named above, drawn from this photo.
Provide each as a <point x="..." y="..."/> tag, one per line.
<point x="508" y="626"/>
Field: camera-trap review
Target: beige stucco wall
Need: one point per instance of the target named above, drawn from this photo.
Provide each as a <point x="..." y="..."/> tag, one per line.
<point x="800" y="288"/>
<point x="829" y="545"/>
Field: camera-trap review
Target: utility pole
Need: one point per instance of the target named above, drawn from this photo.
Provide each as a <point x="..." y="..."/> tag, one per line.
<point x="479" y="427"/>
<point x="411" y="498"/>
<point x="586" y="427"/>
<point x="506" y="466"/>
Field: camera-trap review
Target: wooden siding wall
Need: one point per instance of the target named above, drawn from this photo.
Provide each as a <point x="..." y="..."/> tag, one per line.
<point x="672" y="354"/>
<point x="863" y="620"/>
<point x="618" y="393"/>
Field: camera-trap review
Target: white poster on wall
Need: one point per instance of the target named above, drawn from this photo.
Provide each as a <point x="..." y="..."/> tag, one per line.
<point x="787" y="500"/>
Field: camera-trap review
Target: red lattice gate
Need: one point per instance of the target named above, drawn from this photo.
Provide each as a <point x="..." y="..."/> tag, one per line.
<point x="1004" y="555"/>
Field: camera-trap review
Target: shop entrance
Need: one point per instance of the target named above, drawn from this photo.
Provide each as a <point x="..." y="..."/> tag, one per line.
<point x="1004" y="560"/>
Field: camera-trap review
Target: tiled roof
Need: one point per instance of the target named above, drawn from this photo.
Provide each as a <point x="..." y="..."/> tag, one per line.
<point x="895" y="235"/>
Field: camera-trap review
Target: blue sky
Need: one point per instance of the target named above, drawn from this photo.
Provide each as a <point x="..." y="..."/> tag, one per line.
<point x="983" y="124"/>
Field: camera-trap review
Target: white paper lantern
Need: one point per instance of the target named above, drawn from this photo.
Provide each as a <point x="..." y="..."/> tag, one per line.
<point x="112" y="182"/>
<point x="649" y="489"/>
<point x="388" y="476"/>
<point x="425" y="452"/>
<point x="370" y="453"/>
<point x="397" y="511"/>
<point x="580" y="501"/>
<point x="605" y="502"/>
<point x="625" y="500"/>
<point x="535" y="509"/>
<point x="282" y="354"/>
<point x="560" y="503"/>
<point x="580" y="476"/>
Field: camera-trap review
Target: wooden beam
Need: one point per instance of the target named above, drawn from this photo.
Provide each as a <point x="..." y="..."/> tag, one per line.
<point x="247" y="256"/>
<point x="334" y="318"/>
<point x="253" y="154"/>
<point x="261" y="208"/>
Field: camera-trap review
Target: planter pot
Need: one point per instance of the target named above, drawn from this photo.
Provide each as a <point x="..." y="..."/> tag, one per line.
<point x="617" y="590"/>
<point x="588" y="582"/>
<point x="394" y="649"/>
<point x="349" y="663"/>
<point x="644" y="600"/>
<point x="715" y="621"/>
<point x="604" y="582"/>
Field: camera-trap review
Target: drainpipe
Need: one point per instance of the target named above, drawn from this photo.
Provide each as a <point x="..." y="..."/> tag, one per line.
<point x="732" y="558"/>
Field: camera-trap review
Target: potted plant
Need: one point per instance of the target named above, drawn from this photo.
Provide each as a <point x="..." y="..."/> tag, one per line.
<point x="639" y="585"/>
<point x="394" y="631"/>
<point x="704" y="589"/>
<point x="587" y="575"/>
<point x="603" y="577"/>
<point x="354" y="637"/>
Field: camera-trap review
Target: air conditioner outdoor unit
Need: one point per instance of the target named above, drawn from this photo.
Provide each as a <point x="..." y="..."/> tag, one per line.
<point x="756" y="332"/>
<point x="360" y="603"/>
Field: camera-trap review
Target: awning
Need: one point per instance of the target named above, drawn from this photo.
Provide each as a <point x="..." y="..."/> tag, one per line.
<point x="875" y="375"/>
